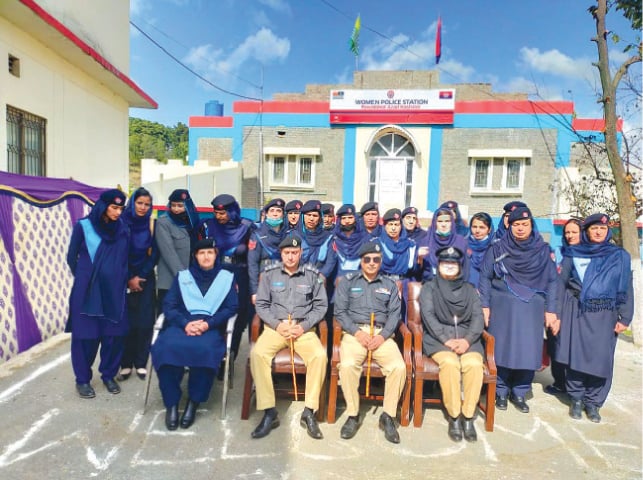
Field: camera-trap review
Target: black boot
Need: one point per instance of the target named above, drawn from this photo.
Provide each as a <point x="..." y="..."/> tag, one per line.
<point x="172" y="417"/>
<point x="189" y="413"/>
<point x="455" y="429"/>
<point x="576" y="409"/>
<point x="470" y="434"/>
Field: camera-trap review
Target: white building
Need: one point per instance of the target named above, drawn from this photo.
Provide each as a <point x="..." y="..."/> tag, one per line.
<point x="65" y="92"/>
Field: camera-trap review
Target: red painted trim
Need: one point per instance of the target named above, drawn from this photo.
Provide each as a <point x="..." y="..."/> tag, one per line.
<point x="281" y="107"/>
<point x="514" y="106"/>
<point x="594" y="124"/>
<point x="434" y="118"/>
<point x="71" y="36"/>
<point x="220" y="122"/>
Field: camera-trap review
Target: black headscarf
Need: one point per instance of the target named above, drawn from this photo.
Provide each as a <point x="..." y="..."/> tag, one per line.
<point x="453" y="298"/>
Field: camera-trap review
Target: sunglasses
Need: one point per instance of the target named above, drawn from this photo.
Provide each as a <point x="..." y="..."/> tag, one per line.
<point x="374" y="260"/>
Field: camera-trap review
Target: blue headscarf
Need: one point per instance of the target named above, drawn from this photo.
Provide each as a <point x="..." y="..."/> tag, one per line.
<point x="460" y="227"/>
<point x="348" y="246"/>
<point x="605" y="283"/>
<point x="107" y="230"/>
<point x="522" y="264"/>
<point x="477" y="248"/>
<point x="395" y="255"/>
<point x="140" y="234"/>
<point x="436" y="242"/>
<point x="230" y="235"/>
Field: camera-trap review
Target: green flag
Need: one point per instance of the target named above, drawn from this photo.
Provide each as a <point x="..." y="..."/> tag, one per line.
<point x="354" y="41"/>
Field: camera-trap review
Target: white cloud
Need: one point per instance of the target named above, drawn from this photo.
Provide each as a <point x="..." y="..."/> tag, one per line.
<point x="554" y="62"/>
<point x="263" y="47"/>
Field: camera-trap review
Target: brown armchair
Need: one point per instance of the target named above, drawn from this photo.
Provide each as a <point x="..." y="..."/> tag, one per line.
<point x="427" y="369"/>
<point x="281" y="365"/>
<point x="404" y="340"/>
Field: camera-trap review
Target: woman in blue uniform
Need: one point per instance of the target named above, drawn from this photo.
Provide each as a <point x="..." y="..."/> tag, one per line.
<point x="518" y="283"/>
<point x="598" y="304"/>
<point x="480" y="237"/>
<point x="197" y="308"/>
<point x="141" y="284"/>
<point x="442" y="234"/>
<point x="97" y="257"/>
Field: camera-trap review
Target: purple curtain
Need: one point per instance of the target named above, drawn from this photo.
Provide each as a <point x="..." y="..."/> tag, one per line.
<point x="26" y="326"/>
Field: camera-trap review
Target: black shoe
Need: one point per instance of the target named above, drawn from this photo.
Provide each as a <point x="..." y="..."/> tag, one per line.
<point x="111" y="386"/>
<point x="455" y="429"/>
<point x="520" y="404"/>
<point x="172" y="417"/>
<point x="85" y="390"/>
<point x="469" y="429"/>
<point x="501" y="402"/>
<point x="390" y="430"/>
<point x="124" y="374"/>
<point x="141" y="373"/>
<point x="576" y="409"/>
<point x="553" y="389"/>
<point x="269" y="422"/>
<point x="309" y="422"/>
<point x="350" y="427"/>
<point x="189" y="413"/>
<point x="592" y="413"/>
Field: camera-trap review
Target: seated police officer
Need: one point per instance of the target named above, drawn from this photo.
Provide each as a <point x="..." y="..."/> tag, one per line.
<point x="291" y="300"/>
<point x="358" y="296"/>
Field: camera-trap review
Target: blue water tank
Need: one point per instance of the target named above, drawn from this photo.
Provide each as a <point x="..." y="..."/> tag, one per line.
<point x="213" y="109"/>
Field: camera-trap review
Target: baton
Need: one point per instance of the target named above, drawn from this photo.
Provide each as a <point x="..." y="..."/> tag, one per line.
<point x="292" y="361"/>
<point x="370" y="358"/>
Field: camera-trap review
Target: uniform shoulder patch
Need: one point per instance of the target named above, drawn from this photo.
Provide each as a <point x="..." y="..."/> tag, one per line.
<point x="311" y="268"/>
<point x="349" y="275"/>
<point x="272" y="266"/>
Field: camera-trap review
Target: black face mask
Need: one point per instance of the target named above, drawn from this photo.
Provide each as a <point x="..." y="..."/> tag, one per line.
<point x="347" y="228"/>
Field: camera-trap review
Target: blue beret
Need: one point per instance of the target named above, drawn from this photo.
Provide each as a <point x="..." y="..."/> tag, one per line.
<point x="179" y="195"/>
<point x="346" y="209"/>
<point x="595" y="218"/>
<point x="511" y="206"/>
<point x="275" y="202"/>
<point x="392" y="214"/>
<point x="409" y="211"/>
<point x="368" y="206"/>
<point x="520" y="213"/>
<point x="113" y="197"/>
<point x="223" y="201"/>
<point x="204" y="244"/>
<point x="311" y="206"/>
<point x="328" y="208"/>
<point x="293" y="205"/>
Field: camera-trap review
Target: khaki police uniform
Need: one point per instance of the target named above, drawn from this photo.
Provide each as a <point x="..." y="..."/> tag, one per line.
<point x="355" y="299"/>
<point x="303" y="297"/>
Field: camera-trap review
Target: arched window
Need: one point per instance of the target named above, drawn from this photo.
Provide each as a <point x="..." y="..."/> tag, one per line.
<point x="390" y="179"/>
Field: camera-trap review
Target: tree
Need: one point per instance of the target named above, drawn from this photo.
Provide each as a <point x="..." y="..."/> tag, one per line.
<point x="631" y="9"/>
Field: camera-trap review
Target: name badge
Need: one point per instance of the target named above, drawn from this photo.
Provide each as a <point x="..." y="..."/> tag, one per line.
<point x="386" y="291"/>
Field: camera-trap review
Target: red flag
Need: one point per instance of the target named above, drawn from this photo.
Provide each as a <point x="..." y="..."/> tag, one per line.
<point x="438" y="41"/>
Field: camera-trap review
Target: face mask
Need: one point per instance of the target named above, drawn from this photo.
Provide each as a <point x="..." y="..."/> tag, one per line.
<point x="443" y="234"/>
<point x="274" y="222"/>
<point x="347" y="228"/>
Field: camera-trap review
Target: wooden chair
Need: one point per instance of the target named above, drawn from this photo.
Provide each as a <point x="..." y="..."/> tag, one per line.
<point x="281" y="365"/>
<point x="427" y="369"/>
<point x="403" y="338"/>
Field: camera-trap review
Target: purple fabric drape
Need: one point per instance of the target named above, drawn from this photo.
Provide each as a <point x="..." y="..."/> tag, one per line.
<point x="45" y="189"/>
<point x="26" y="327"/>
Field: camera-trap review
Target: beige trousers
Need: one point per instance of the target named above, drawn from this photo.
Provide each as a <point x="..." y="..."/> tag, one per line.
<point x="308" y="347"/>
<point x="460" y="373"/>
<point x="352" y="355"/>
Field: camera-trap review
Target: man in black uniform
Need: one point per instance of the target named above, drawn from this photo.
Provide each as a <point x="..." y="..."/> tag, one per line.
<point x="291" y="300"/>
<point x="358" y="296"/>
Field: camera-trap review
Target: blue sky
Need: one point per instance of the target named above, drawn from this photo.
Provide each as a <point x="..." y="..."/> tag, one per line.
<point x="539" y="47"/>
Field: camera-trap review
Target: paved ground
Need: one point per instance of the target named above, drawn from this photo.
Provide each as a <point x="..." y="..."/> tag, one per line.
<point x="47" y="432"/>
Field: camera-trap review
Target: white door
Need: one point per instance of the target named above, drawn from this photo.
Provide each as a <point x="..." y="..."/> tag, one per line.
<point x="391" y="183"/>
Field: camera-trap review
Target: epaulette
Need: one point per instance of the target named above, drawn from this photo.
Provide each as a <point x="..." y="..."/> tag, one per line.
<point x="272" y="266"/>
<point x="349" y="275"/>
<point x="311" y="268"/>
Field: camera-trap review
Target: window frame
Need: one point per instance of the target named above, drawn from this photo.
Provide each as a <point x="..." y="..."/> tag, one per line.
<point x="29" y="161"/>
<point x="284" y="180"/>
<point x="298" y="172"/>
<point x="499" y="158"/>
<point x="474" y="169"/>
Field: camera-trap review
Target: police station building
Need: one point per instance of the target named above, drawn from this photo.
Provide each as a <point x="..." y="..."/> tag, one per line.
<point x="399" y="138"/>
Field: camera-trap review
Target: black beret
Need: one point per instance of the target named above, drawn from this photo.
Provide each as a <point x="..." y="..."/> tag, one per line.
<point x="293" y="205"/>
<point x="179" y="195"/>
<point x="290" y="241"/>
<point x="346" y="209"/>
<point x="368" y="206"/>
<point x="311" y="206"/>
<point x="328" y="208"/>
<point x="392" y="214"/>
<point x="113" y="197"/>
<point x="275" y="202"/>
<point x="520" y="213"/>
<point x="511" y="206"/>
<point x="369" y="247"/>
<point x="449" y="254"/>
<point x="203" y="244"/>
<point x="221" y="202"/>
<point x="409" y="211"/>
<point x="595" y="218"/>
